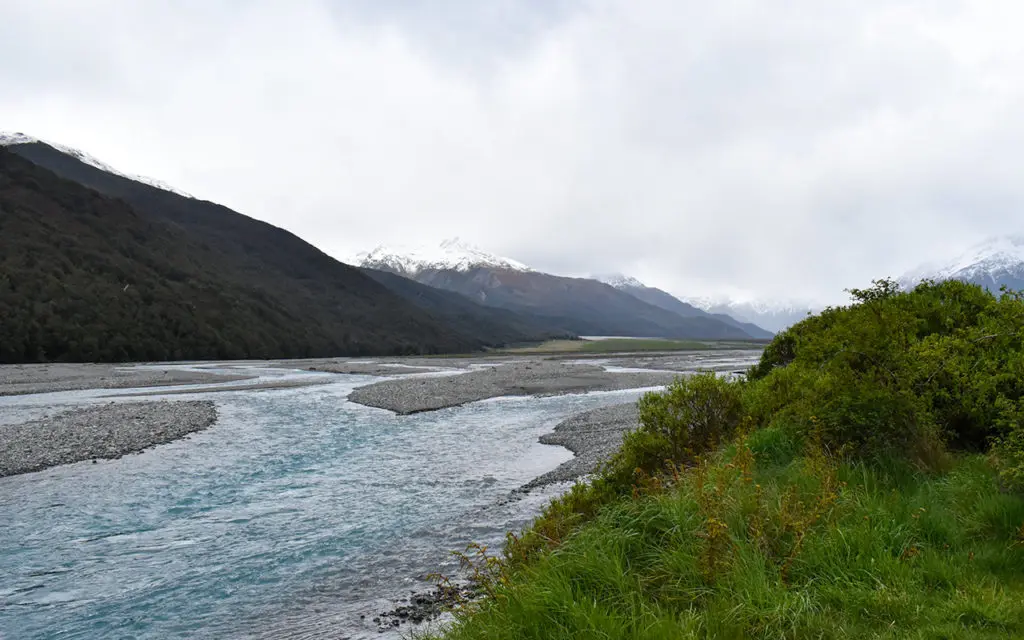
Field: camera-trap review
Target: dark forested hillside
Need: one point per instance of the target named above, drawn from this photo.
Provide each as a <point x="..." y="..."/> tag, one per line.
<point x="86" y="277"/>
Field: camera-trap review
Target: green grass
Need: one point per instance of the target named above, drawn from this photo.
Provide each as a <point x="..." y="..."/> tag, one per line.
<point x="769" y="540"/>
<point x="627" y="345"/>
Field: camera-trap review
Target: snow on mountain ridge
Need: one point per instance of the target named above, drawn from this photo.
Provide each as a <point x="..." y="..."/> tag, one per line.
<point x="620" y="281"/>
<point x="986" y="260"/>
<point x="452" y="253"/>
<point x="759" y="306"/>
<point x="15" y="138"/>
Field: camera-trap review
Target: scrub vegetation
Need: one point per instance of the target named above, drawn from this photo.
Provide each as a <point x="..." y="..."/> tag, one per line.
<point x="866" y="479"/>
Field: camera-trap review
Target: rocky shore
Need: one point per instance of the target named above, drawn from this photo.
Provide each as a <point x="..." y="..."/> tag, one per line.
<point x="592" y="436"/>
<point x="536" y="377"/>
<point x="107" y="431"/>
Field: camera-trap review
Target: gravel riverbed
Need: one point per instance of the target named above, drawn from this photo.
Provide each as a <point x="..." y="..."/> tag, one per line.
<point x="106" y="431"/>
<point x="22" y="379"/>
<point x="592" y="436"/>
<point x="536" y="377"/>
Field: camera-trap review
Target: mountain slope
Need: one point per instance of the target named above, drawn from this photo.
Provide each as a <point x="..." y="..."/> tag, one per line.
<point x="580" y="305"/>
<point x="17" y="139"/>
<point x="487" y="324"/>
<point x="992" y="264"/>
<point x="665" y="300"/>
<point x="156" y="275"/>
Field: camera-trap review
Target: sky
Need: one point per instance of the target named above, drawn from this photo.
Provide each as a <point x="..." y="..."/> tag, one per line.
<point x="746" y="148"/>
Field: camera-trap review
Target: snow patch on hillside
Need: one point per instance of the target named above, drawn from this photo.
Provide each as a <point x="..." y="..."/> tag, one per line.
<point x="985" y="261"/>
<point x="16" y="138"/>
<point x="620" y="281"/>
<point x="452" y="254"/>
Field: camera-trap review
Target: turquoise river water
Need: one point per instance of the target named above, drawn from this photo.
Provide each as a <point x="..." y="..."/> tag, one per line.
<point x="297" y="515"/>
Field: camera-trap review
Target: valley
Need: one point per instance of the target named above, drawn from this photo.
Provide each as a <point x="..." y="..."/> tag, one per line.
<point x="210" y="427"/>
<point x="574" y="320"/>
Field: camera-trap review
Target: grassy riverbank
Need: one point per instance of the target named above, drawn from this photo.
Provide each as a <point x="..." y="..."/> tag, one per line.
<point x="793" y="546"/>
<point x="865" y="481"/>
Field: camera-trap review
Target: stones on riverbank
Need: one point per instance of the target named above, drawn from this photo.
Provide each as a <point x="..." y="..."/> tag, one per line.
<point x="108" y="431"/>
<point x="540" y="378"/>
<point x="24" y="379"/>
<point x="425" y="606"/>
<point x="592" y="436"/>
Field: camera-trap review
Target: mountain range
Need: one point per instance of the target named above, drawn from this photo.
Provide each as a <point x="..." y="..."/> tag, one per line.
<point x="101" y="265"/>
<point x="665" y="300"/>
<point x="586" y="306"/>
<point x="993" y="263"/>
<point x="772" y="315"/>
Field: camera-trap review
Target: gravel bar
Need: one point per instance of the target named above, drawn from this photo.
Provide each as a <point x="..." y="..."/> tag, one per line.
<point x="593" y="436"/>
<point x="22" y="379"/>
<point x="542" y="378"/>
<point x="108" y="431"/>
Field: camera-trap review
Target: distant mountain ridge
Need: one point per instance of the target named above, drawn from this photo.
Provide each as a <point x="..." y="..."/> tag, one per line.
<point x="453" y="253"/>
<point x="584" y="306"/>
<point x="498" y="326"/>
<point x="993" y="263"/>
<point x="665" y="300"/>
<point x="772" y="315"/>
<point x="269" y="294"/>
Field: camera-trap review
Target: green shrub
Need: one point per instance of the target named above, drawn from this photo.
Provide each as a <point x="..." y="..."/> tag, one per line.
<point x="694" y="415"/>
<point x="910" y="372"/>
<point x="641" y="449"/>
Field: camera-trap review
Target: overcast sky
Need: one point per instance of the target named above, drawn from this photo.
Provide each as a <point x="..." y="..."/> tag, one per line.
<point x="778" y="149"/>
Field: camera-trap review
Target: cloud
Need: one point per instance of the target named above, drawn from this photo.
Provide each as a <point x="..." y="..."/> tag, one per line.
<point x="778" y="149"/>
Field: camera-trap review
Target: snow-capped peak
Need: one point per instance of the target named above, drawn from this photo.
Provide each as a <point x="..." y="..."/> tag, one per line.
<point x="16" y="138"/>
<point x="773" y="315"/>
<point x="985" y="261"/>
<point x="453" y="253"/>
<point x="754" y="305"/>
<point x="620" y="281"/>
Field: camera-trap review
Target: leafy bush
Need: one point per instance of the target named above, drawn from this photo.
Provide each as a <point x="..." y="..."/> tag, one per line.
<point x="910" y="372"/>
<point x="694" y="415"/>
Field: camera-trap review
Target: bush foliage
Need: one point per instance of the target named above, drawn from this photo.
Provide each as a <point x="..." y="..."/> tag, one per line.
<point x="693" y="415"/>
<point x="938" y="367"/>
